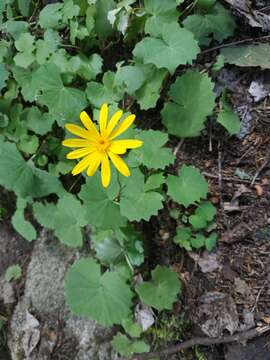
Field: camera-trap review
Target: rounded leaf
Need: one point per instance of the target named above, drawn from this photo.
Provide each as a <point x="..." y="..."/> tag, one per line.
<point x="105" y="297"/>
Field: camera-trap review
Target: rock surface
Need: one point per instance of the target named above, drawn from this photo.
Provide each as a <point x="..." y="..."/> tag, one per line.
<point x="257" y="349"/>
<point x="42" y="326"/>
<point x="13" y="248"/>
<point x="217" y="314"/>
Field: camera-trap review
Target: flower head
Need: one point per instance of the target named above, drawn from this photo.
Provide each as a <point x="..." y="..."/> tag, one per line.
<point x="97" y="148"/>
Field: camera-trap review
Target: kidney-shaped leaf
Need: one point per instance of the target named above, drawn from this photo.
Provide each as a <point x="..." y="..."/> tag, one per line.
<point x="105" y="297"/>
<point x="188" y="187"/>
<point x="177" y="47"/>
<point x="162" y="291"/>
<point x="193" y="99"/>
<point x="22" y="176"/>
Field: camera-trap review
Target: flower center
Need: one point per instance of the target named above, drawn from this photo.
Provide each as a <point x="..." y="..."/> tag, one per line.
<point x="103" y="144"/>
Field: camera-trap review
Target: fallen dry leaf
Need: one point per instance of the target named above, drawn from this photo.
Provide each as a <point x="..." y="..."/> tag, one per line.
<point x="144" y="316"/>
<point x="31" y="334"/>
<point x="259" y="190"/>
<point x="266" y="319"/>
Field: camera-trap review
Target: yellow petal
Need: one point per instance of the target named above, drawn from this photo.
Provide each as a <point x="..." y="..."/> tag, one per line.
<point x="105" y="171"/>
<point x="125" y="124"/>
<point x="79" y="131"/>
<point x="76" y="143"/>
<point x="88" y="123"/>
<point x="76" y="154"/>
<point x="121" y="146"/>
<point x="119" y="163"/>
<point x="103" y="117"/>
<point x="114" y="121"/>
<point x="95" y="162"/>
<point x="116" y="149"/>
<point x="128" y="144"/>
<point x="82" y="165"/>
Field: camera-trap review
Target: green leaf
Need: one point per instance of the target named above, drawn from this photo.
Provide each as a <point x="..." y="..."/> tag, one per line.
<point x="127" y="347"/>
<point x="153" y="144"/>
<point x="135" y="203"/>
<point x="154" y="182"/>
<point x="197" y="222"/>
<point x="161" y="12"/>
<point x="114" y="250"/>
<point x="77" y="31"/>
<point x="177" y="47"/>
<point x="26" y="80"/>
<point x="87" y="68"/>
<point x="43" y="214"/>
<point x="22" y="176"/>
<point x="64" y="103"/>
<point x="101" y="208"/>
<point x="131" y="244"/>
<point x="25" y="42"/>
<point x="198" y="241"/>
<point x="189" y="187"/>
<point x="219" y="23"/>
<point x="69" y="217"/>
<point x="61" y="59"/>
<point x="4" y="120"/>
<point x="131" y="76"/>
<point x="50" y="16"/>
<point x="47" y="47"/>
<point x="69" y="11"/>
<point x="211" y="241"/>
<point x="20" y="224"/>
<point x="162" y="291"/>
<point x="102" y="24"/>
<point x="205" y="4"/>
<point x="248" y="55"/>
<point x="148" y="95"/>
<point x="203" y="214"/>
<point x="229" y="120"/>
<point x="25" y="45"/>
<point x="40" y="123"/>
<point x="4" y="49"/>
<point x="28" y="143"/>
<point x="13" y="272"/>
<point x="24" y="7"/>
<point x="107" y="92"/>
<point x="206" y="210"/>
<point x="24" y="59"/>
<point x="105" y="297"/>
<point x="131" y="328"/>
<point x="15" y="28"/>
<point x="90" y="18"/>
<point x="190" y="91"/>
<point x="4" y="74"/>
<point x="141" y="81"/>
<point x="183" y="237"/>
<point x="109" y="251"/>
<point x="219" y="64"/>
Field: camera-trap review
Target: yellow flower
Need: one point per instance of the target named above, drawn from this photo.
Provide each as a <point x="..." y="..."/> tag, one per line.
<point x="98" y="147"/>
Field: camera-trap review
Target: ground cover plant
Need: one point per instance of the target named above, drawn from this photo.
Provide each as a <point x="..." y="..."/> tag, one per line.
<point x="96" y="69"/>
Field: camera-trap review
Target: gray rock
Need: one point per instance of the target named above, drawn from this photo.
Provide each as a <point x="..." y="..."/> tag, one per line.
<point x="257" y="349"/>
<point x="216" y="314"/>
<point x="13" y="248"/>
<point x="208" y="262"/>
<point x="258" y="90"/>
<point x="7" y="293"/>
<point x="61" y="333"/>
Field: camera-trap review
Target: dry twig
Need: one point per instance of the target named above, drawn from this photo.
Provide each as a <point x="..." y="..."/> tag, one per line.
<point x="232" y="179"/>
<point x="266" y="162"/>
<point x="204" y="341"/>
